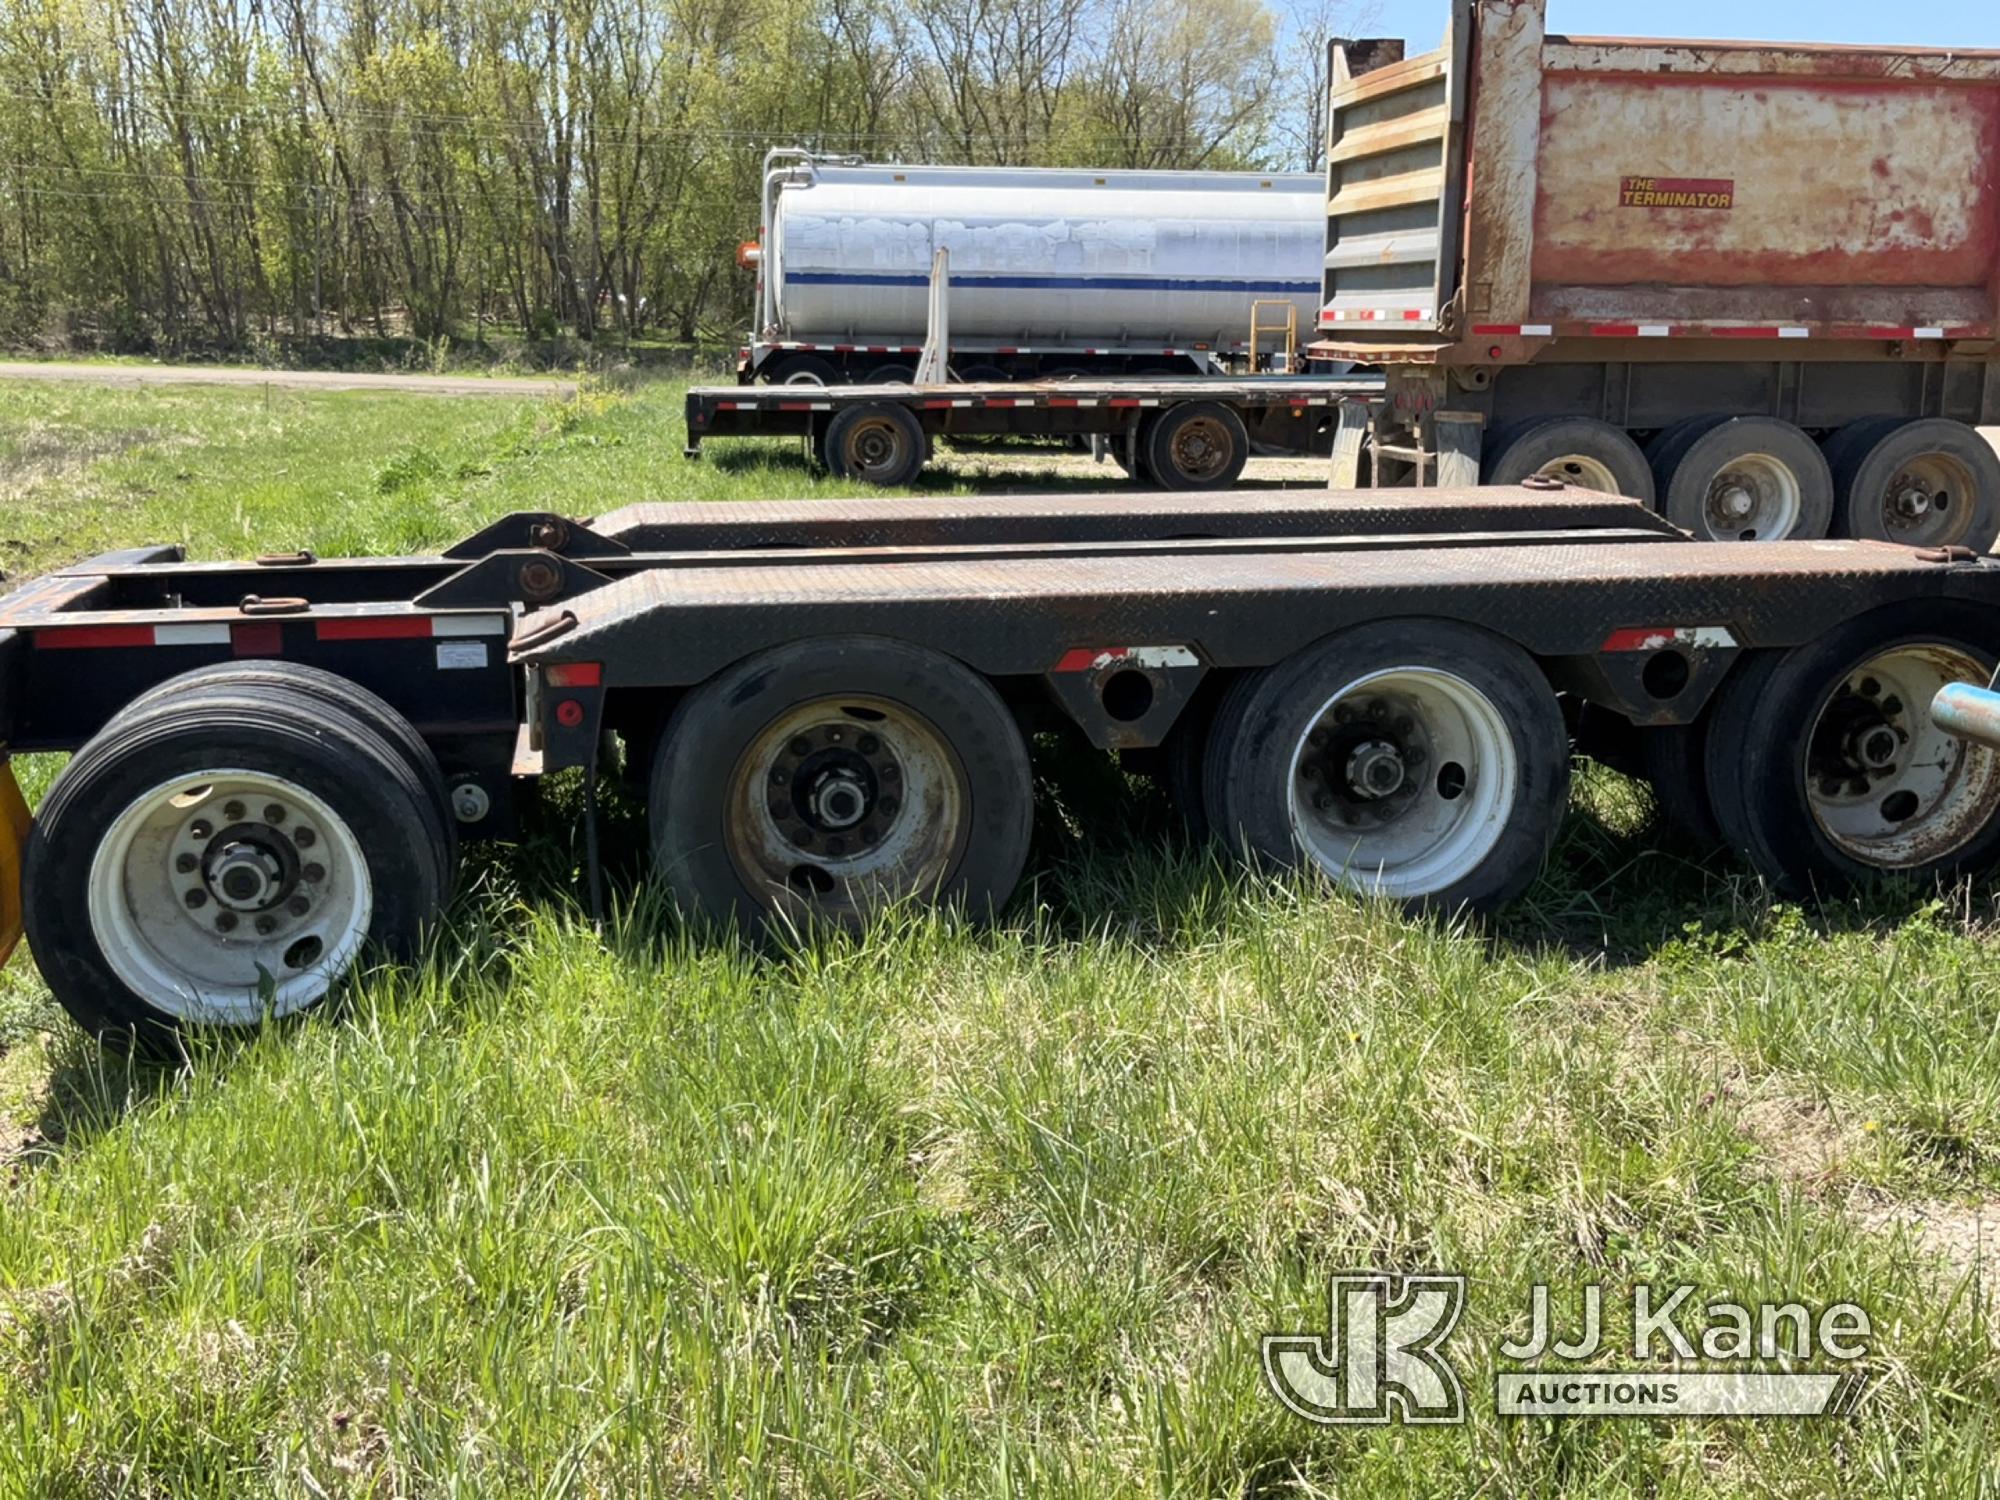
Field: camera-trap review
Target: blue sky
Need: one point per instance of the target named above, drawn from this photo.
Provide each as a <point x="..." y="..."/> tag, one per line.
<point x="1924" y="23"/>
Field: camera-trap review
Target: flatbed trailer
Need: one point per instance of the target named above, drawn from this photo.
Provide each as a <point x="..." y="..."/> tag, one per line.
<point x="826" y="706"/>
<point x="1167" y="432"/>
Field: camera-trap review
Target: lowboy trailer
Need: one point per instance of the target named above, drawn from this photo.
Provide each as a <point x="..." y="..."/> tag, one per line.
<point x="826" y="706"/>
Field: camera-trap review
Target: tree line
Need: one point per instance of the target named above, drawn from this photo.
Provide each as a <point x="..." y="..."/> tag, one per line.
<point x="183" y="174"/>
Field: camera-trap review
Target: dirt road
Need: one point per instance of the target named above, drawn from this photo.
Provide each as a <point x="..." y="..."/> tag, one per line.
<point x="303" y="380"/>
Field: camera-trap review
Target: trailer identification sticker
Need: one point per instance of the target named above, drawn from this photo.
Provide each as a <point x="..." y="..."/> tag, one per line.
<point x="460" y="654"/>
<point x="1677" y="192"/>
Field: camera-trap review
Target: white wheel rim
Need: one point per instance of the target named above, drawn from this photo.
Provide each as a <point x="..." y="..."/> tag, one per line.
<point x="842" y="804"/>
<point x="289" y="896"/>
<point x="1582" y="472"/>
<point x="1460" y="778"/>
<point x="802" y="377"/>
<point x="1887" y="786"/>
<point x="1753" y="498"/>
<point x="1928" y="501"/>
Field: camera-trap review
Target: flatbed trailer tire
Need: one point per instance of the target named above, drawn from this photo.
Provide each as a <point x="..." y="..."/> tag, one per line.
<point x="875" y="442"/>
<point x="1198" y="445"/>
<point x="1825" y="771"/>
<point x="223" y="857"/>
<point x="825" y="779"/>
<point x="1672" y="759"/>
<point x="1422" y="760"/>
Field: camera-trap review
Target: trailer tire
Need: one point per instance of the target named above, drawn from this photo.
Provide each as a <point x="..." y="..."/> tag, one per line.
<point x="1928" y="483"/>
<point x="1199" y="445"/>
<point x="1580" y="451"/>
<point x="1824" y="769"/>
<point x="1743" y="479"/>
<point x="805" y="369"/>
<point x="1671" y="757"/>
<point x="341" y="693"/>
<point x="146" y="917"/>
<point x="824" y="779"/>
<point x="1424" y="760"/>
<point x="875" y="442"/>
<point x="892" y="374"/>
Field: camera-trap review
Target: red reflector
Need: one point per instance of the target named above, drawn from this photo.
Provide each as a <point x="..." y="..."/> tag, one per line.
<point x="93" y="635"/>
<point x="569" y="713"/>
<point x="574" y="674"/>
<point x="265" y="638"/>
<point x="384" y="628"/>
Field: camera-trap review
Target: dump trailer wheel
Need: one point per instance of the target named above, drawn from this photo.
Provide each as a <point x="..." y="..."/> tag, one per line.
<point x="824" y="779"/>
<point x="1927" y="483"/>
<point x="1824" y="768"/>
<point x="338" y="692"/>
<point x="1743" y="479"/>
<point x="1580" y="451"/>
<point x="1672" y="758"/>
<point x="1201" y="445"/>
<point x="876" y="442"/>
<point x="224" y="856"/>
<point x="1423" y="760"/>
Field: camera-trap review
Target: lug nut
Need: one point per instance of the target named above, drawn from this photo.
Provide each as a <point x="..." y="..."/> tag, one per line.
<point x="298" y="906"/>
<point x="232" y="810"/>
<point x="889" y="772"/>
<point x="1323" y="801"/>
<point x="1317" y="738"/>
<point x="1343" y="713"/>
<point x="314" y="872"/>
<point x="199" y="829"/>
<point x="1870" y="687"/>
<point x="304" y="837"/>
<point x="267" y="925"/>
<point x="1309" y="771"/>
<point x="186" y="864"/>
<point x="274" y="812"/>
<point x="835" y="736"/>
<point x="800" y="745"/>
<point x="225" y="921"/>
<point x="868" y="744"/>
<point x="778" y="776"/>
<point x="196" y="899"/>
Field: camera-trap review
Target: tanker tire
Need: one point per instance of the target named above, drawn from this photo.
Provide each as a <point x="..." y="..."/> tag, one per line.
<point x="724" y="859"/>
<point x="805" y="369"/>
<point x="1772" y="730"/>
<point x="1201" y="445"/>
<point x="1949" y="465"/>
<point x="1473" y="816"/>
<point x="1782" y="476"/>
<point x="1580" y="451"/>
<point x="877" y="442"/>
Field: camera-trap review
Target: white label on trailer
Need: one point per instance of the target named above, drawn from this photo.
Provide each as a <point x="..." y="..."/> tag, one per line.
<point x="459" y="655"/>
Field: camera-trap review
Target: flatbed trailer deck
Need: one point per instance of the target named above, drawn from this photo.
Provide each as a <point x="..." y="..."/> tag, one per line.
<point x="1173" y="433"/>
<point x="826" y="705"/>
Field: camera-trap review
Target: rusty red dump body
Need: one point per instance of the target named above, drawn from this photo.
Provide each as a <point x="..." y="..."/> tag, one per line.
<point x="1517" y="196"/>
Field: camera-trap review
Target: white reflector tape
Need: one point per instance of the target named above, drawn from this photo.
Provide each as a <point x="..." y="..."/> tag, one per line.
<point x="468" y="624"/>
<point x="191" y="635"/>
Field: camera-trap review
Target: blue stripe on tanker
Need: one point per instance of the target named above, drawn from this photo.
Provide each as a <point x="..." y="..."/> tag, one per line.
<point x="1059" y="283"/>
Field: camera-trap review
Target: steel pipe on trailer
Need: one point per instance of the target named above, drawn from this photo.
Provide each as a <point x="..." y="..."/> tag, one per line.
<point x="1971" y="713"/>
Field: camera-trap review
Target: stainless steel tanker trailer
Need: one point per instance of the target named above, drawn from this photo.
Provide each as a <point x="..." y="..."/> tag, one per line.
<point x="826" y="706"/>
<point x="1754" y="284"/>
<point x="1054" y="271"/>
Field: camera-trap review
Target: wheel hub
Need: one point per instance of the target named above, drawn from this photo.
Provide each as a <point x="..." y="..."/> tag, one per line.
<point x="1361" y="757"/>
<point x="835" y="788"/>
<point x="244" y="874"/>
<point x="1375" y="769"/>
<point x="1861" y="740"/>
<point x="1911" y="501"/>
<point x="1734" y="501"/>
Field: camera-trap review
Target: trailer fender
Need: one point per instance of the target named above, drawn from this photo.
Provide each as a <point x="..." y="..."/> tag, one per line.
<point x="15" y="823"/>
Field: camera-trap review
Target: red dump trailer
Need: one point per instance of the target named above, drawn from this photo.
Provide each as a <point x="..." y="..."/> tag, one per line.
<point x="1753" y="283"/>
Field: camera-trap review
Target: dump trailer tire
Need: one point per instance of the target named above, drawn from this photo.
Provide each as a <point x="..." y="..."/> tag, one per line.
<point x="224" y="856"/>
<point x="338" y="692"/>
<point x="824" y="779"/>
<point x="875" y="442"/>
<point x="1928" y="483"/>
<point x="1423" y="760"/>
<point x="1199" y="445"/>
<point x="1743" y="479"/>
<point x="1580" y="451"/>
<point x="1824" y="769"/>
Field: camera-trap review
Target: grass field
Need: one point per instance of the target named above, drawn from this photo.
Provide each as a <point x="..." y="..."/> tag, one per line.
<point x="941" y="1210"/>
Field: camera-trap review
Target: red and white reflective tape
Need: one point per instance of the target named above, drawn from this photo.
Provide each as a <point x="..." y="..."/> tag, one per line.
<point x="1514" y="330"/>
<point x="1374" y="315"/>
<point x="224" y="632"/>
<point x="1659" y="637"/>
<point x="1634" y="330"/>
<point x="1091" y="659"/>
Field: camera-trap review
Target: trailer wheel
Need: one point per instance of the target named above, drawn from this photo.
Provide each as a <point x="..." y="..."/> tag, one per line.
<point x="1824" y="767"/>
<point x="877" y="442"/>
<point x="1927" y="483"/>
<point x="1201" y="445"/>
<point x="892" y="375"/>
<point x="1580" y="451"/>
<point x="824" y="779"/>
<point x="1743" y="479"/>
<point x="223" y="856"/>
<point x="340" y="693"/>
<point x="1419" y="759"/>
<point x="804" y="369"/>
<point x="1671" y="756"/>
